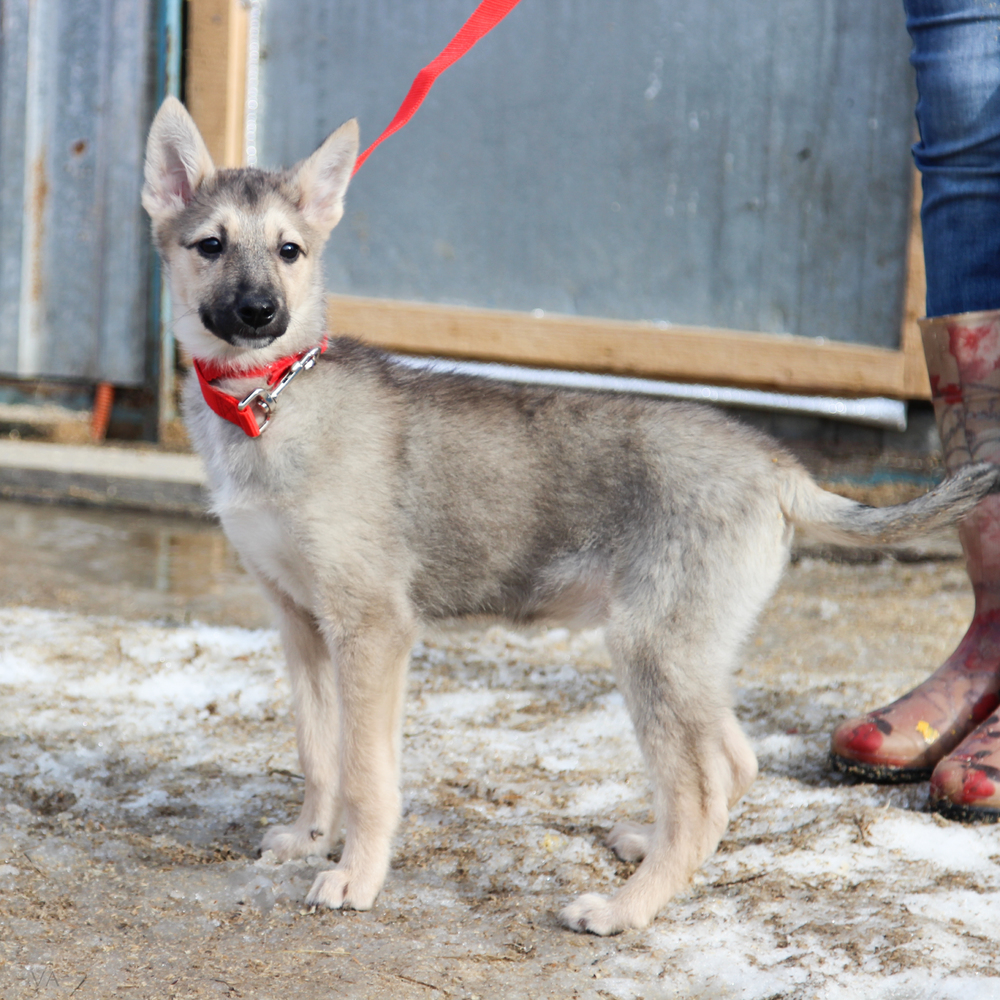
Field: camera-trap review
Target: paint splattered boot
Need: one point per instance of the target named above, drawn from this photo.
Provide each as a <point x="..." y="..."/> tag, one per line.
<point x="905" y="740"/>
<point x="966" y="784"/>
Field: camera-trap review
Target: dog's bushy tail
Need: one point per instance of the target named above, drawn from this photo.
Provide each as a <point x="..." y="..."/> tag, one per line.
<point x="836" y="519"/>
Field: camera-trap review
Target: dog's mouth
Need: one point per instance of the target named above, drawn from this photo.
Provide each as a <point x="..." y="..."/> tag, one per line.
<point x="246" y="323"/>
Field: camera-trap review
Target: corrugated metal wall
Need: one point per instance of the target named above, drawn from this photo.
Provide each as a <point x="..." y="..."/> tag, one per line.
<point x="732" y="163"/>
<point x="77" y="85"/>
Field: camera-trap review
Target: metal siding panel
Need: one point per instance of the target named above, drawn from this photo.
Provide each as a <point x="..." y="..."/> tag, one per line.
<point x="84" y="258"/>
<point x="126" y="258"/>
<point x="728" y="163"/>
<point x="13" y="76"/>
<point x="71" y="240"/>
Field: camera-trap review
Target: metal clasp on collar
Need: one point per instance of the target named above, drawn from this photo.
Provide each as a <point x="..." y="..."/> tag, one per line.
<point x="266" y="397"/>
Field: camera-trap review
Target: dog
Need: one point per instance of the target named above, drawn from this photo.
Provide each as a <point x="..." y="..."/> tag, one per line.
<point x="382" y="498"/>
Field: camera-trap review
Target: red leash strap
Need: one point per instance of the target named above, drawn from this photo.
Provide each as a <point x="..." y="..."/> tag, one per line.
<point x="484" y="19"/>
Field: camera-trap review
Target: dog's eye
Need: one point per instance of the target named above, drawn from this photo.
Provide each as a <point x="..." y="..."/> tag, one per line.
<point x="290" y="251"/>
<point x="210" y="247"/>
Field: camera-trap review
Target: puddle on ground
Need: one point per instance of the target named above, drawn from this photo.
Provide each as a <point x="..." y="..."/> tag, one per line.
<point x="124" y="563"/>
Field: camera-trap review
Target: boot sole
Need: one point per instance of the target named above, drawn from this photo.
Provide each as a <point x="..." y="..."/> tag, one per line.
<point x="965" y="814"/>
<point x="880" y="774"/>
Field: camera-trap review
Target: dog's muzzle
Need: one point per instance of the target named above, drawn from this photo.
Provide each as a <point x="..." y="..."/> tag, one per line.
<point x="254" y="319"/>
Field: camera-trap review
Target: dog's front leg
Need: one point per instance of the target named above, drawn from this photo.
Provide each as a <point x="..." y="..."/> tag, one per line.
<point x="371" y="675"/>
<point x="314" y="696"/>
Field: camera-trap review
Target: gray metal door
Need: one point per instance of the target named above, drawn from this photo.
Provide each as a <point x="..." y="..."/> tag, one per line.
<point x="77" y="85"/>
<point x="731" y="163"/>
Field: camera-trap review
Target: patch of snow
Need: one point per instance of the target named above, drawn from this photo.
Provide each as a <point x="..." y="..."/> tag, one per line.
<point x="518" y="757"/>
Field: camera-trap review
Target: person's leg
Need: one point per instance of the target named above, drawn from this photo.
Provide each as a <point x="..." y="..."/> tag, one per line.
<point x="904" y="740"/>
<point x="956" y="54"/>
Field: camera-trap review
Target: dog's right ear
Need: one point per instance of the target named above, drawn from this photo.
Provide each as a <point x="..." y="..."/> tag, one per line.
<point x="321" y="180"/>
<point x="177" y="161"/>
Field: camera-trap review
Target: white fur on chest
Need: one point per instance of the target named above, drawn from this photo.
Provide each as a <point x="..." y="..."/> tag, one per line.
<point x="251" y="482"/>
<point x="269" y="549"/>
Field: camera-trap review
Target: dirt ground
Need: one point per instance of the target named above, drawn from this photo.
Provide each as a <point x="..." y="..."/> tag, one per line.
<point x="145" y="743"/>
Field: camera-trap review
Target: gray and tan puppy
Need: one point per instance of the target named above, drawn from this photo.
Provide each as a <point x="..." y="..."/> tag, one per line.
<point x="382" y="498"/>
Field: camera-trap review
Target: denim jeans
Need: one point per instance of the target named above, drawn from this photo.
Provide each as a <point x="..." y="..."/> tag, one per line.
<point x="956" y="53"/>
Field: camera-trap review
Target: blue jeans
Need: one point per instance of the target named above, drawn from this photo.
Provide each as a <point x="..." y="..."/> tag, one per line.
<point x="956" y="53"/>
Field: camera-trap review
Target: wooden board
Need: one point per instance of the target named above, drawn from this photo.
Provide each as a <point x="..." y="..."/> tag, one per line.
<point x="916" y="383"/>
<point x="692" y="354"/>
<point x="216" y="60"/>
<point x="675" y="353"/>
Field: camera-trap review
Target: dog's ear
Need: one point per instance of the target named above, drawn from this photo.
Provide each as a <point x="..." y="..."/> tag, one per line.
<point x="321" y="180"/>
<point x="177" y="160"/>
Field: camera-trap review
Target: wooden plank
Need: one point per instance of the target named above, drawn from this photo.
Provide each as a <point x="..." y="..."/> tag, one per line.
<point x="691" y="354"/>
<point x="215" y="85"/>
<point x="916" y="383"/>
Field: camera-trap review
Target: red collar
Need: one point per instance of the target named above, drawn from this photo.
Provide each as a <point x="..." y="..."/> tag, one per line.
<point x="277" y="375"/>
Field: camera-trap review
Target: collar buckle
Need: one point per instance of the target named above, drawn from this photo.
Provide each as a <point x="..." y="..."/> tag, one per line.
<point x="265" y="398"/>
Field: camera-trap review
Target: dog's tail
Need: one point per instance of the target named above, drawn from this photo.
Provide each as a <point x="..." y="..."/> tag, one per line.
<point x="836" y="519"/>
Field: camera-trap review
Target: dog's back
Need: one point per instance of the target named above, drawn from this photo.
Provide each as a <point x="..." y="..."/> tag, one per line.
<point x="507" y="489"/>
<point x="507" y="495"/>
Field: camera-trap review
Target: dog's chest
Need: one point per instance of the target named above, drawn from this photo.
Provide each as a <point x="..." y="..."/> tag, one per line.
<point x="270" y="550"/>
<point x="254" y="486"/>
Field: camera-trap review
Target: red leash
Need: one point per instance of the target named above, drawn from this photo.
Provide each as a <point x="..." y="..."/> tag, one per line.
<point x="279" y="373"/>
<point x="484" y="19"/>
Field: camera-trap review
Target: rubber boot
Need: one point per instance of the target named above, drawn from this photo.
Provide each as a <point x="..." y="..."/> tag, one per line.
<point x="966" y="784"/>
<point x="905" y="740"/>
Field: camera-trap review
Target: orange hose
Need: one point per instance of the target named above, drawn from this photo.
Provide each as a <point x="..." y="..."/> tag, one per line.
<point x="104" y="396"/>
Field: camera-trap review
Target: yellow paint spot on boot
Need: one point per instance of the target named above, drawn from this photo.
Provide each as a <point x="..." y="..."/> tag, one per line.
<point x="929" y="733"/>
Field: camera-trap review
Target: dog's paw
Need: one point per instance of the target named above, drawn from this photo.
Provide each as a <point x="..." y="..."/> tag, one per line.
<point x="339" y="890"/>
<point x="290" y="842"/>
<point x="630" y="841"/>
<point x="592" y="913"/>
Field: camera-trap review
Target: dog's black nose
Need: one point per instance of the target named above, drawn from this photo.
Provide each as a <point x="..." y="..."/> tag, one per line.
<point x="256" y="310"/>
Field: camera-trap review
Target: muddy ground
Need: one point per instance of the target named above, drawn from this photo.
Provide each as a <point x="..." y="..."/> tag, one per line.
<point x="145" y="743"/>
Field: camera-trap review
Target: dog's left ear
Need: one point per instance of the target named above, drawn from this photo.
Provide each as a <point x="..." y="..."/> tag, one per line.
<point x="322" y="179"/>
<point x="177" y="161"/>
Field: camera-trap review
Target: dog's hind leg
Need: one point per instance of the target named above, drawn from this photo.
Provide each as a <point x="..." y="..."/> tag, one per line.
<point x="699" y="761"/>
<point x="631" y="841"/>
<point x="314" y="696"/>
<point x="371" y="678"/>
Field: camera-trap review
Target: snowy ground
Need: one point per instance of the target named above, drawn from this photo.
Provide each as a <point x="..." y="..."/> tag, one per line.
<point x="140" y="762"/>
